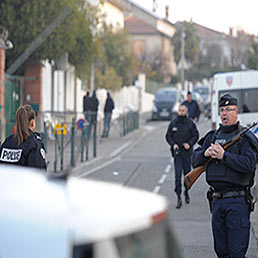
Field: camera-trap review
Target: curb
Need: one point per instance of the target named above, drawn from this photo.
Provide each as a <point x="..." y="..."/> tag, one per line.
<point x="100" y="162"/>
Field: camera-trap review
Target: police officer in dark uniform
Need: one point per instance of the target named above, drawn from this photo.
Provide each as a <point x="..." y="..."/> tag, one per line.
<point x="193" y="107"/>
<point x="24" y="147"/>
<point x="230" y="175"/>
<point x="181" y="135"/>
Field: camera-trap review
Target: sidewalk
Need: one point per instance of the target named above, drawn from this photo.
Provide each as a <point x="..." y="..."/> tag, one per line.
<point x="106" y="149"/>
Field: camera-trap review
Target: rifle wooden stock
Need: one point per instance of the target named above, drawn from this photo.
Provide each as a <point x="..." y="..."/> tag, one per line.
<point x="193" y="175"/>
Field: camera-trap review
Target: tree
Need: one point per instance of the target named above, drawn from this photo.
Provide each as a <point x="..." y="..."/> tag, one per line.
<point x="252" y="53"/>
<point x="155" y="64"/>
<point x="26" y="19"/>
<point x="114" y="51"/>
<point x="192" y="47"/>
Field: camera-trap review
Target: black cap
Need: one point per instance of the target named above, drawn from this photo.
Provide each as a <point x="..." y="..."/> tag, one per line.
<point x="189" y="93"/>
<point x="227" y="100"/>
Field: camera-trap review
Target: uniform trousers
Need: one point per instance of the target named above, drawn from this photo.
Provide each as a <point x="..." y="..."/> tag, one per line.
<point x="182" y="163"/>
<point x="231" y="227"/>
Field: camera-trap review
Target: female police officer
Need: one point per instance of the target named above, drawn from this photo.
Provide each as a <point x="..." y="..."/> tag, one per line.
<point x="23" y="147"/>
<point x="230" y="175"/>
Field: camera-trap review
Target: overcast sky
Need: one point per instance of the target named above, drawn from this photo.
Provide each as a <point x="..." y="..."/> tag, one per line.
<point x="215" y="14"/>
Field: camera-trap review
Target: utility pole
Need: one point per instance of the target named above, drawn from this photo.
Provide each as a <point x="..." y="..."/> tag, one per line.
<point x="183" y="58"/>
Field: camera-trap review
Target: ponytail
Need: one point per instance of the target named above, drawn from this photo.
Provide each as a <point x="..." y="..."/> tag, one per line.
<point x="22" y="125"/>
<point x="30" y="112"/>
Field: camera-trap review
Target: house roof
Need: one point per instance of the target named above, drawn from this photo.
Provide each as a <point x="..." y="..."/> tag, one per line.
<point x="135" y="25"/>
<point x="205" y="32"/>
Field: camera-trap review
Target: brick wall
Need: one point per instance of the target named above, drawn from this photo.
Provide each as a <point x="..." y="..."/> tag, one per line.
<point x="33" y="88"/>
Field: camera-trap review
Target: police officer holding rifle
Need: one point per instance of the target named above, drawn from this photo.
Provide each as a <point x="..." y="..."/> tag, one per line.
<point x="230" y="174"/>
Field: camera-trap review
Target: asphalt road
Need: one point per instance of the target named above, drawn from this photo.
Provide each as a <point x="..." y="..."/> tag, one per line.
<point x="148" y="165"/>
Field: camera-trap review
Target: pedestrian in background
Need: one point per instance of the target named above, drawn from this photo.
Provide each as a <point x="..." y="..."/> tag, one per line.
<point x="93" y="113"/>
<point x="23" y="147"/>
<point x="193" y="107"/>
<point x="86" y="106"/>
<point x="108" y="109"/>
<point x="230" y="174"/>
<point x="181" y="135"/>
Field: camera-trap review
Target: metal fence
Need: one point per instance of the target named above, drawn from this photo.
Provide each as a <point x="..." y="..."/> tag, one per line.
<point x="68" y="138"/>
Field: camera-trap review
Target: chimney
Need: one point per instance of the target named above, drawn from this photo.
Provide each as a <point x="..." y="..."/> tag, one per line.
<point x="154" y="8"/>
<point x="167" y="11"/>
<point x="231" y="31"/>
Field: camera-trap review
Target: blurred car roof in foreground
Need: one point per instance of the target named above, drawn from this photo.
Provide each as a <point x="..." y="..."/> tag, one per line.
<point x="37" y="213"/>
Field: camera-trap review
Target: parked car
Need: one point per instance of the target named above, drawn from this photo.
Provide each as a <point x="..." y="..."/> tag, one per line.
<point x="166" y="103"/>
<point x="205" y="92"/>
<point x="78" y="218"/>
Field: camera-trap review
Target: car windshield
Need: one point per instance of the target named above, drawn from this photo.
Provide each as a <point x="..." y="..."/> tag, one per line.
<point x="166" y="96"/>
<point x="202" y="91"/>
<point x="157" y="241"/>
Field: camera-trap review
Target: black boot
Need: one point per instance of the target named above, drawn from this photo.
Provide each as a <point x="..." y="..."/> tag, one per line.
<point x="179" y="202"/>
<point x="187" y="198"/>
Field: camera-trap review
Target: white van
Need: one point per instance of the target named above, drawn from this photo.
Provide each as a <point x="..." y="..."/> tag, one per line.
<point x="79" y="218"/>
<point x="241" y="85"/>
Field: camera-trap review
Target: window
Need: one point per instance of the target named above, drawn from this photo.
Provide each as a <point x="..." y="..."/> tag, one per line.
<point x="83" y="251"/>
<point x="247" y="99"/>
<point x="155" y="242"/>
<point x="250" y="103"/>
<point x="166" y="96"/>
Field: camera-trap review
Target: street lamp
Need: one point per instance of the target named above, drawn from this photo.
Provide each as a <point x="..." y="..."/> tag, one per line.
<point x="183" y="58"/>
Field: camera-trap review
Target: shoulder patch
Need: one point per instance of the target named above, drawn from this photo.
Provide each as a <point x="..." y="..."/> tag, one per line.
<point x="11" y="155"/>
<point x="43" y="153"/>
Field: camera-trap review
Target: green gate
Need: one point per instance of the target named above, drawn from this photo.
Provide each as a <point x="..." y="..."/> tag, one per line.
<point x="12" y="101"/>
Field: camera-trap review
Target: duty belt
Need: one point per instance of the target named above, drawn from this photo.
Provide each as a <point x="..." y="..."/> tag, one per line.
<point x="229" y="194"/>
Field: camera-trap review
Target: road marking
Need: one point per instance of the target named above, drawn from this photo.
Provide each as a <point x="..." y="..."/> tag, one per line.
<point x="162" y="179"/>
<point x="168" y="168"/>
<point x="156" y="189"/>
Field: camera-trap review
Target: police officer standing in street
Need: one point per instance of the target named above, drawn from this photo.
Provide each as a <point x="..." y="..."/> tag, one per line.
<point x="230" y="174"/>
<point x="181" y="135"/>
<point x="24" y="147"/>
<point x="193" y="107"/>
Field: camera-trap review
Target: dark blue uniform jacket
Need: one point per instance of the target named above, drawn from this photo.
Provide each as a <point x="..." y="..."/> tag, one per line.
<point x="182" y="131"/>
<point x="30" y="153"/>
<point x="236" y="169"/>
<point x="193" y="109"/>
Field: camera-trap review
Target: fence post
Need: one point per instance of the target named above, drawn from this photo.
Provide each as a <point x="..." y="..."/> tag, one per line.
<point x="62" y="147"/>
<point x="82" y="142"/>
<point x="56" y="149"/>
<point x="72" y="143"/>
<point x="95" y="139"/>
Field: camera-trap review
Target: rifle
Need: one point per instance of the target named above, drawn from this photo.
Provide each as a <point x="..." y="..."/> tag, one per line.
<point x="193" y="175"/>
